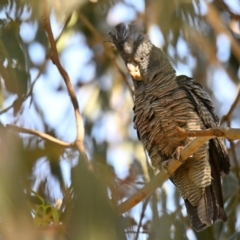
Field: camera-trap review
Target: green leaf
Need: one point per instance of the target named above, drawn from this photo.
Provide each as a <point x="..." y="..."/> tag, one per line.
<point x="13" y="67"/>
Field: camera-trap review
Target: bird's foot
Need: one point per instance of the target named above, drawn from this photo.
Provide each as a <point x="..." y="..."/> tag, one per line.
<point x="164" y="165"/>
<point x="177" y="154"/>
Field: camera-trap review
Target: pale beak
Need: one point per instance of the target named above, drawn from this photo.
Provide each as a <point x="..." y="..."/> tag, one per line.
<point x="134" y="70"/>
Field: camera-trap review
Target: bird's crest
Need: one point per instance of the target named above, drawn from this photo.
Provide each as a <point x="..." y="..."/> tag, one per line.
<point x="126" y="37"/>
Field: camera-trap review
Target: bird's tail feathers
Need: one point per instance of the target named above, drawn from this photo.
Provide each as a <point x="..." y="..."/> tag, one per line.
<point x="207" y="210"/>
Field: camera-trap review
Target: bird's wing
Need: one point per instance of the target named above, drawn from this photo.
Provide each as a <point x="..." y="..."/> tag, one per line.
<point x="206" y="112"/>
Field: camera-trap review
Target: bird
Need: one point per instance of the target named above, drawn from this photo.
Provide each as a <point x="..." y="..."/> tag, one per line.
<point x="163" y="102"/>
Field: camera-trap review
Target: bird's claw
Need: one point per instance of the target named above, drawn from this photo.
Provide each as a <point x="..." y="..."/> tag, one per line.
<point x="177" y="154"/>
<point x="165" y="165"/>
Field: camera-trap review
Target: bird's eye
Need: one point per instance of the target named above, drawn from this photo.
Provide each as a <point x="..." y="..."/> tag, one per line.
<point x="141" y="58"/>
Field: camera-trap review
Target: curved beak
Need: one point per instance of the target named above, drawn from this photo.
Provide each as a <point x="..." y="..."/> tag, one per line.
<point x="134" y="70"/>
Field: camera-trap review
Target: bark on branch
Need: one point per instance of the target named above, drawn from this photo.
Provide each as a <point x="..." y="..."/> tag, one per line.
<point x="70" y="89"/>
<point x="202" y="136"/>
<point x="42" y="135"/>
<point x="228" y="133"/>
<point x="79" y="142"/>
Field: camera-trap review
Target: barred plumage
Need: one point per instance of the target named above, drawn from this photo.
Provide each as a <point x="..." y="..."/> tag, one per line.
<point x="164" y="101"/>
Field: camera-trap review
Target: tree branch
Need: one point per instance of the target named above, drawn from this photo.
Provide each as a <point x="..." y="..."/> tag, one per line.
<point x="214" y="19"/>
<point x="226" y="118"/>
<point x="42" y="67"/>
<point x="42" y="135"/>
<point x="79" y="142"/>
<point x="141" y="217"/>
<point x="225" y="7"/>
<point x="202" y="136"/>
<point x="143" y="193"/>
<point x="7" y="108"/>
<point x="228" y="133"/>
<point x="162" y="176"/>
<point x="40" y="71"/>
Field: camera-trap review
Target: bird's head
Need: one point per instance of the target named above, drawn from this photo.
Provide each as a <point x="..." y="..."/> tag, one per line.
<point x="142" y="58"/>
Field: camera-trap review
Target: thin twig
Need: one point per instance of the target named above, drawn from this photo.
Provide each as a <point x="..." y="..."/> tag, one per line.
<point x="40" y="70"/>
<point x="109" y="53"/>
<point x="7" y="108"/>
<point x="141" y="217"/>
<point x="225" y="7"/>
<point x="228" y="116"/>
<point x="79" y="142"/>
<point x="133" y="232"/>
<point x="42" y="67"/>
<point x="214" y="19"/>
<point x="143" y="193"/>
<point x="41" y="135"/>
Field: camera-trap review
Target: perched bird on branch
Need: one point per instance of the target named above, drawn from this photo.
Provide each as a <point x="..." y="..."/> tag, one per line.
<point x="164" y="101"/>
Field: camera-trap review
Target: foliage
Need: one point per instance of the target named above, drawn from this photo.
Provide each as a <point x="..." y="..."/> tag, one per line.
<point x="202" y="40"/>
